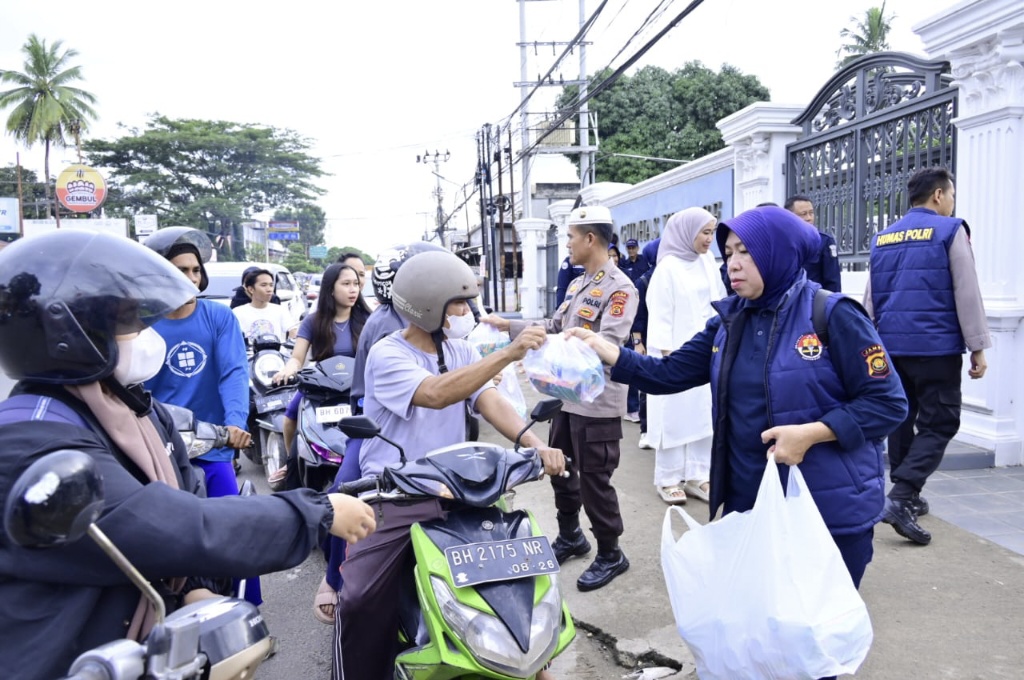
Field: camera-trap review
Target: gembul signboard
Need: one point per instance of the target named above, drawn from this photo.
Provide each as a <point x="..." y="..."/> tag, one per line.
<point x="81" y="188"/>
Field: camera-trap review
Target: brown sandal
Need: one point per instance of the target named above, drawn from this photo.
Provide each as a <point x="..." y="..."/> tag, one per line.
<point x="326" y="597"/>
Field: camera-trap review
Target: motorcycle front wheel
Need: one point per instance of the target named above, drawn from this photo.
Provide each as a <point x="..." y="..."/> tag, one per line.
<point x="273" y="452"/>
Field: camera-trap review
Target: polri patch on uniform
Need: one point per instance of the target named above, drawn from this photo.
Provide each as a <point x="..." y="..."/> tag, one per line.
<point x="809" y="347"/>
<point x="585" y="312"/>
<point x="599" y="277"/>
<point x="878" y="364"/>
<point x="618" y="302"/>
<point x="597" y="292"/>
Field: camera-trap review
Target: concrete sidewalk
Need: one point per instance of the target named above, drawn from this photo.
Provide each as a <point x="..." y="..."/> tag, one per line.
<point x="953" y="609"/>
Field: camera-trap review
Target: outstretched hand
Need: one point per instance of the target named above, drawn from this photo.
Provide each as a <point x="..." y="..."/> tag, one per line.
<point x="608" y="351"/>
<point x="353" y="519"/>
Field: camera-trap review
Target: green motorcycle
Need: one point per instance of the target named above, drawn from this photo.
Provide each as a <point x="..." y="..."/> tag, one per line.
<point x="484" y="600"/>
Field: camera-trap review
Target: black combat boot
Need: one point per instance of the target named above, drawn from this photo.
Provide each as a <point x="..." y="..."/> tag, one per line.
<point x="899" y="512"/>
<point x="570" y="542"/>
<point x="609" y="563"/>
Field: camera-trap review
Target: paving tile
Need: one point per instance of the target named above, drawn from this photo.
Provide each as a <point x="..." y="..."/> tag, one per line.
<point x="952" y="487"/>
<point x="1014" y="542"/>
<point x="1000" y="482"/>
<point x="991" y="502"/>
<point x="1015" y="519"/>
<point x="947" y="508"/>
<point x="984" y="525"/>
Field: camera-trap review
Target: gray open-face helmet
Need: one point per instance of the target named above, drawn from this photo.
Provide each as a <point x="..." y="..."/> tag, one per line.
<point x="173" y="241"/>
<point x="426" y="283"/>
<point x="66" y="295"/>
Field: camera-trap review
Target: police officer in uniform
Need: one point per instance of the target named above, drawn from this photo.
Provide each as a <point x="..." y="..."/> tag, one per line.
<point x="604" y="300"/>
<point x="823" y="266"/>
<point x="567" y="273"/>
<point x="924" y="297"/>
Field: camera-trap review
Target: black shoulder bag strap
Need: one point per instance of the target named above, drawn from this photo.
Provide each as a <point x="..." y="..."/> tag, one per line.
<point x="818" y="317"/>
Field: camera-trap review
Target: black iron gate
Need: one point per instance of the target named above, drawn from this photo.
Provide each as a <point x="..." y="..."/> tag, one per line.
<point x="866" y="131"/>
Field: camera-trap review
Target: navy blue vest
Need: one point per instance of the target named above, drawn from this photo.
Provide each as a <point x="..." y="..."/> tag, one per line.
<point x="912" y="288"/>
<point x="802" y="385"/>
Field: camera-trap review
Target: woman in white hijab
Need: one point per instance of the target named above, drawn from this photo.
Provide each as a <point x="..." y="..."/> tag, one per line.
<point x="679" y="298"/>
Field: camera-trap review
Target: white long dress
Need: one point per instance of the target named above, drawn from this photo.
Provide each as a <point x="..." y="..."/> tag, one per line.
<point x="679" y="426"/>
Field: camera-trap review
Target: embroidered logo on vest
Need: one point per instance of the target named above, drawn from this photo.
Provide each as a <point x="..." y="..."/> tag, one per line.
<point x="809" y="347"/>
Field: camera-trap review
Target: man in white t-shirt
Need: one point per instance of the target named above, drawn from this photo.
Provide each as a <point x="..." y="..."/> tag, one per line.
<point x="261" y="317"/>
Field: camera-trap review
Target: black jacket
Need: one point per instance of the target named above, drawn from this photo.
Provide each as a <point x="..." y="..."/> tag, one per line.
<point x="58" y="602"/>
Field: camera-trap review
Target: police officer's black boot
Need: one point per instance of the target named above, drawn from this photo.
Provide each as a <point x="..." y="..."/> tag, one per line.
<point x="609" y="563"/>
<point x="570" y="542"/>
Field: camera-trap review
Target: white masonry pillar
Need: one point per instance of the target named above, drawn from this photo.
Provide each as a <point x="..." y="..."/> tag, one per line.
<point x="984" y="42"/>
<point x="533" y="236"/>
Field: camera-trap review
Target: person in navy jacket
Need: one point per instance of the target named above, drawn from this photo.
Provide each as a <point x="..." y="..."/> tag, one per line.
<point x="778" y="388"/>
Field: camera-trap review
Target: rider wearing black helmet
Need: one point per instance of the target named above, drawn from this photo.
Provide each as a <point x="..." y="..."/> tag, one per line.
<point x="417" y="383"/>
<point x="76" y="313"/>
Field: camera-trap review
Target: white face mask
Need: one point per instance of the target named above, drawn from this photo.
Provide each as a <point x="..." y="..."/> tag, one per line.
<point x="459" y="326"/>
<point x="140" y="358"/>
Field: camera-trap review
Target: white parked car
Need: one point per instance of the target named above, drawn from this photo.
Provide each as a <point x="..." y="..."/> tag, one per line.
<point x="225" y="277"/>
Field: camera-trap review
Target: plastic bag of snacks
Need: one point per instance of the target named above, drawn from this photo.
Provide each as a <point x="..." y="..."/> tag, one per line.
<point x="565" y="368"/>
<point x="486" y="338"/>
<point x="509" y="388"/>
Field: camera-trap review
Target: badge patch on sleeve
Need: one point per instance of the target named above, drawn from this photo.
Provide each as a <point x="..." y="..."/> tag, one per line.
<point x="618" y="302"/>
<point x="809" y="347"/>
<point x="878" y="364"/>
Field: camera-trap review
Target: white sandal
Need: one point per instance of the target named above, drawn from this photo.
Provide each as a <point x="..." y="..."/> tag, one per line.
<point x="695" y="488"/>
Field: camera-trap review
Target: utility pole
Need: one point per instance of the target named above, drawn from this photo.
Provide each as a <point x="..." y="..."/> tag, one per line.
<point x="501" y="205"/>
<point x="483" y="176"/>
<point x="515" y="237"/>
<point x="437" y="158"/>
<point x="586" y="156"/>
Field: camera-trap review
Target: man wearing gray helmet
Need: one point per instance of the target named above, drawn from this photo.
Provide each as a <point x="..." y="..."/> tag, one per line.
<point x="417" y="383"/>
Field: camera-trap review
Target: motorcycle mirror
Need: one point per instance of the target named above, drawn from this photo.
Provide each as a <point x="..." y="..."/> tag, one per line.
<point x="359" y="427"/>
<point x="545" y="410"/>
<point x="54" y="500"/>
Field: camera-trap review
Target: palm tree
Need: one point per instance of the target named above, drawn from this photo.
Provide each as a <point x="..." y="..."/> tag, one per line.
<point x="46" y="107"/>
<point x="868" y="35"/>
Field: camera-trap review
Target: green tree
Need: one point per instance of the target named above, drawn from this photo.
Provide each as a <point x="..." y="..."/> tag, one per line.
<point x="296" y="260"/>
<point x="47" y="108"/>
<point x="33" y="191"/>
<point x="211" y="175"/>
<point x="666" y="114"/>
<point x="311" y="218"/>
<point x="334" y="253"/>
<point x="868" y="35"/>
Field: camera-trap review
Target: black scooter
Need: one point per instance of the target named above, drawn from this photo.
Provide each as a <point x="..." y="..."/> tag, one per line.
<point x="267" y="403"/>
<point x="320" y="445"/>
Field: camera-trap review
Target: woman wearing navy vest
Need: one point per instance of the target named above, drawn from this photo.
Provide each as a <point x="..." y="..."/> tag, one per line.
<point x="777" y="387"/>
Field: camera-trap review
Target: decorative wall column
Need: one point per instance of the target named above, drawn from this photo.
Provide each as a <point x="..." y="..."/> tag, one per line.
<point x="984" y="42"/>
<point x="559" y="211"/>
<point x="533" y="238"/>
<point x="759" y="134"/>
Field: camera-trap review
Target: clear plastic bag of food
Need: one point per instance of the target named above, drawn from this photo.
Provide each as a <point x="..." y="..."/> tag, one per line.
<point x="509" y="388"/>
<point x="565" y="368"/>
<point x="486" y="338"/>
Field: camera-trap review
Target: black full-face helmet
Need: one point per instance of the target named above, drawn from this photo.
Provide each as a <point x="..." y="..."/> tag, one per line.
<point x="390" y="260"/>
<point x="173" y="241"/>
<point x="66" y="295"/>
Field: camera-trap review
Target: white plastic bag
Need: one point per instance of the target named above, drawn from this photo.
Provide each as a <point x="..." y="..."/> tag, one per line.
<point x="509" y="388"/>
<point x="565" y="368"/>
<point x="486" y="338"/>
<point x="765" y="593"/>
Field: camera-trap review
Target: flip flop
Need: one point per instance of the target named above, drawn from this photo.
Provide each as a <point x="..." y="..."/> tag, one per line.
<point x="325" y="597"/>
<point x="673" y="495"/>
<point x="693" y="488"/>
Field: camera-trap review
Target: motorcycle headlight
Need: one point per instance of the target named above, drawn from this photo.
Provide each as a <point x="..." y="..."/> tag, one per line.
<point x="488" y="639"/>
<point x="267" y="365"/>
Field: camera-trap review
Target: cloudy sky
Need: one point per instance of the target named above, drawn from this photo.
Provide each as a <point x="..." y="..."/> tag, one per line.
<point x="376" y="83"/>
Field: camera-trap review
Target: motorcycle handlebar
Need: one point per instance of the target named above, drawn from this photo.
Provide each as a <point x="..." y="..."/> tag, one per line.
<point x="359" y="486"/>
<point x="90" y="671"/>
